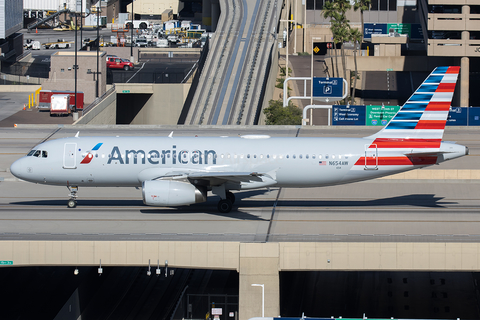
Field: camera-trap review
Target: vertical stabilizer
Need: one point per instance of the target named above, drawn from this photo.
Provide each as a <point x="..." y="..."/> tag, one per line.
<point x="420" y="122"/>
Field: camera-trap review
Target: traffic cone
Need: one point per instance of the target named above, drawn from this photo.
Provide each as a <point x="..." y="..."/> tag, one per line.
<point x="23" y="107"/>
<point x="36" y="30"/>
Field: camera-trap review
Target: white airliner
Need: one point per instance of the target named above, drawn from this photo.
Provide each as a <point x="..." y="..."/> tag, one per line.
<point x="176" y="171"/>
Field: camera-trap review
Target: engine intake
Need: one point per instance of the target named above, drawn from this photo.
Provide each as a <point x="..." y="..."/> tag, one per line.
<point x="164" y="193"/>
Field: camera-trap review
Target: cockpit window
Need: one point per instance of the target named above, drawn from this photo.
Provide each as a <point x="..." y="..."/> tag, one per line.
<point x="37" y="153"/>
<point x="44" y="154"/>
<point x="31" y="153"/>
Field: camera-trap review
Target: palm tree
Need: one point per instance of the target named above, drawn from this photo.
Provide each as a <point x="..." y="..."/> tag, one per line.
<point x="339" y="25"/>
<point x="330" y="11"/>
<point x="355" y="36"/>
<point x="363" y="5"/>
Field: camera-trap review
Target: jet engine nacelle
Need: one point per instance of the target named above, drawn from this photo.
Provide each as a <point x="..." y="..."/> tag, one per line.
<point x="162" y="193"/>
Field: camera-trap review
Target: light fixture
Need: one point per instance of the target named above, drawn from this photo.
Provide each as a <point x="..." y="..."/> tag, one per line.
<point x="76" y="272"/>
<point x="149" y="272"/>
<point x="157" y="271"/>
<point x="100" y="270"/>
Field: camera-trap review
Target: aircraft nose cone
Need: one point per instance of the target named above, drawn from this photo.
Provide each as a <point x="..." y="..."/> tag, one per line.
<point x="17" y="169"/>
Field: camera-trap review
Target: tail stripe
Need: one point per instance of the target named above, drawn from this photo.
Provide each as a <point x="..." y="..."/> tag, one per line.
<point x="434" y="95"/>
<point x="419" y="125"/>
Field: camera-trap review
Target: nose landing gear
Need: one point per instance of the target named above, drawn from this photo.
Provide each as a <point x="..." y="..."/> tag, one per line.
<point x="72" y="203"/>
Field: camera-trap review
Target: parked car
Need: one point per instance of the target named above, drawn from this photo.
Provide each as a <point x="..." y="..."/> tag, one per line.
<point x="119" y="63"/>
<point x="141" y="42"/>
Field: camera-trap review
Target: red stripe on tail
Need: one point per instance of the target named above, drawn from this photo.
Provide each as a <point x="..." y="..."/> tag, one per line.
<point x="438" y="106"/>
<point x="431" y="124"/>
<point x="406" y="143"/>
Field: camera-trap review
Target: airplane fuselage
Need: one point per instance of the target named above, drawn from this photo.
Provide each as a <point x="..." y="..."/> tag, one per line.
<point x="291" y="162"/>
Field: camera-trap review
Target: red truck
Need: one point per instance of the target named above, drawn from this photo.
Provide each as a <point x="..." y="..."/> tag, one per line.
<point x="45" y="99"/>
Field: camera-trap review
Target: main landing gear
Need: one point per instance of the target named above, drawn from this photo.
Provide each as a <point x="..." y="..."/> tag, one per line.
<point x="225" y="205"/>
<point x="72" y="203"/>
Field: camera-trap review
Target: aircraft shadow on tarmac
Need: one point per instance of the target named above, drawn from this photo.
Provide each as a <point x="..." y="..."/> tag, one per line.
<point x="413" y="200"/>
<point x="210" y="207"/>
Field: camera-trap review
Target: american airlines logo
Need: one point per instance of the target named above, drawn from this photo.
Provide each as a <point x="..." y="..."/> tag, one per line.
<point x="168" y="156"/>
<point x="89" y="155"/>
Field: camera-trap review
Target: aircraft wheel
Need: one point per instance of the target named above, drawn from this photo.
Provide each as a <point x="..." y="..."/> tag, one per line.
<point x="225" y="206"/>
<point x="230" y="196"/>
<point x="71" y="203"/>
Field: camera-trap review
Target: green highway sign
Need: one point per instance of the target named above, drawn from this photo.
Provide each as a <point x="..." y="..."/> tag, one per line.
<point x="380" y="115"/>
<point x="6" y="263"/>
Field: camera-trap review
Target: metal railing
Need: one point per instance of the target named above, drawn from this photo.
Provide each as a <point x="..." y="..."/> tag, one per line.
<point x="98" y="100"/>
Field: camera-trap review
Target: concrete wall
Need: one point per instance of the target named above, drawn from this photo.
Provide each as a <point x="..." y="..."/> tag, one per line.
<point x="103" y="113"/>
<point x="270" y="86"/>
<point x="62" y="73"/>
<point x="397" y="63"/>
<point x="257" y="263"/>
<point x="22" y="88"/>
<point x="165" y="104"/>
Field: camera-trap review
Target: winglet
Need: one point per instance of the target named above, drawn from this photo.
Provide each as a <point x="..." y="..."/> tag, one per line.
<point x="170" y="135"/>
<point x="78" y="133"/>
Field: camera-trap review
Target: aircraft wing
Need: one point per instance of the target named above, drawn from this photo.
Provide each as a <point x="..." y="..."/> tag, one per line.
<point x="213" y="178"/>
<point x="228" y="176"/>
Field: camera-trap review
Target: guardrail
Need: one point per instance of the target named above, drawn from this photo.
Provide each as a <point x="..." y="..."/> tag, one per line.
<point x="98" y="100"/>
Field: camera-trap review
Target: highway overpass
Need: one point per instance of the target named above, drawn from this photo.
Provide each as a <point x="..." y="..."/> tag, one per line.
<point x="231" y="84"/>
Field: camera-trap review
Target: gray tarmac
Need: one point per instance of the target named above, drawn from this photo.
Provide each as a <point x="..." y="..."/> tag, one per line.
<point x="377" y="211"/>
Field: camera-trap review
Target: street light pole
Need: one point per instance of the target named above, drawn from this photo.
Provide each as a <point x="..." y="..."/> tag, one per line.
<point x="131" y="37"/>
<point x="311" y="82"/>
<point x="263" y="297"/>
<point x="75" y="66"/>
<point x="98" y="47"/>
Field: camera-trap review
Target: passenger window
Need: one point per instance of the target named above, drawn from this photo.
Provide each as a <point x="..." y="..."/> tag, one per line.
<point x="294" y="156"/>
<point x="306" y="156"/>
<point x="333" y="156"/>
<point x="326" y="156"/>
<point x="339" y="156"/>
<point x="300" y="156"/>
<point x="313" y="156"/>
<point x="268" y="156"/>
<point x="286" y="156"/>
<point x="248" y="156"/>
